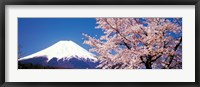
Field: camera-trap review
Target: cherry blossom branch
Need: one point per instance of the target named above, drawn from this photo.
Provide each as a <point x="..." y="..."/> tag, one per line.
<point x="120" y="35"/>
<point x="172" y="56"/>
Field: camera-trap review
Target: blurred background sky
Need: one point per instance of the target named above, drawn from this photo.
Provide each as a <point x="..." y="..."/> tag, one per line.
<point x="35" y="34"/>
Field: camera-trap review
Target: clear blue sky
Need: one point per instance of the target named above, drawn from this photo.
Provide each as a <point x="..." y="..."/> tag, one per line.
<point x="35" y="34"/>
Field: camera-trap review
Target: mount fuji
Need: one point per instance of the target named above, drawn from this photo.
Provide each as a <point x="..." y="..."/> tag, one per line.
<point x="63" y="54"/>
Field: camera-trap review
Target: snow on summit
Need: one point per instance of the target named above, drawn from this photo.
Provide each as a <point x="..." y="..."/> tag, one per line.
<point x="63" y="50"/>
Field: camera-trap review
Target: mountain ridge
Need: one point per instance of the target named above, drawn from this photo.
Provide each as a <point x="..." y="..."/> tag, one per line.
<point x="62" y="54"/>
<point x="60" y="48"/>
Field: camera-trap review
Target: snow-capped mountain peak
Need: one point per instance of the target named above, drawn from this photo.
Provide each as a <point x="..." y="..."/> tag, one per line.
<point x="63" y="50"/>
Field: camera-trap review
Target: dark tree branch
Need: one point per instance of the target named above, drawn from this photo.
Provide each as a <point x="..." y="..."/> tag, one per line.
<point x="156" y="58"/>
<point x="142" y="59"/>
<point x="176" y="47"/>
<point x="172" y="56"/>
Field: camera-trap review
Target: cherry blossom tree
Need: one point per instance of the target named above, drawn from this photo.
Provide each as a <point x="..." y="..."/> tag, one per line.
<point x="138" y="43"/>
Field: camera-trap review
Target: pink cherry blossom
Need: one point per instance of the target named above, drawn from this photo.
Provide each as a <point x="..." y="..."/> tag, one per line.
<point x="132" y="43"/>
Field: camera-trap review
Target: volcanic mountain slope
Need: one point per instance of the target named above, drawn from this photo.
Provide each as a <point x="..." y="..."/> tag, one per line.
<point x="63" y="54"/>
